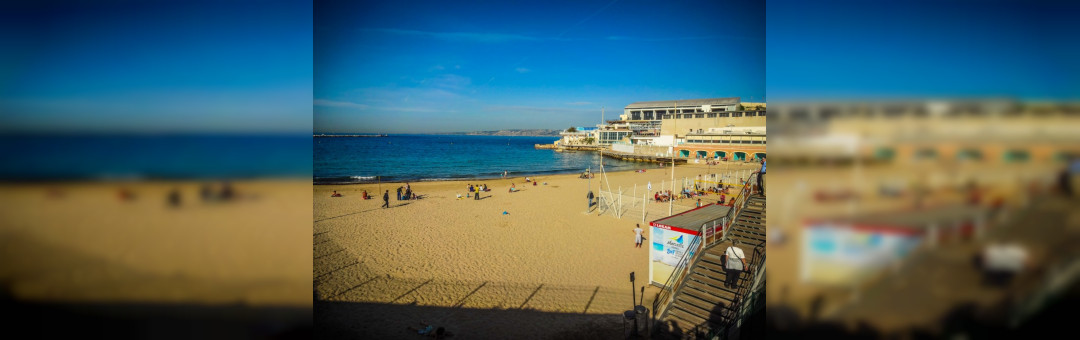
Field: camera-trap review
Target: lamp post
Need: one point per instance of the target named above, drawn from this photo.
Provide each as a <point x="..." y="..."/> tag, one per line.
<point x="633" y="303"/>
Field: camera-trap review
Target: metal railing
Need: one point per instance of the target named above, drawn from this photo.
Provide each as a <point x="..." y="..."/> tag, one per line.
<point x="740" y="201"/>
<point x="668" y="290"/>
<point x="738" y="309"/>
<point x="744" y="302"/>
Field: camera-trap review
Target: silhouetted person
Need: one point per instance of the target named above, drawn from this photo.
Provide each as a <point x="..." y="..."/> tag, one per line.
<point x="398" y="193"/>
<point x="227" y="192"/>
<point x="174" y="198"/>
<point x="761" y="177"/>
<point x="1065" y="182"/>
<point x="205" y="193"/>
<point x="386" y="199"/>
<point x="590" y="197"/>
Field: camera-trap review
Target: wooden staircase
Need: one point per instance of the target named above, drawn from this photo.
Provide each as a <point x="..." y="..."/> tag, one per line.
<point x="701" y="299"/>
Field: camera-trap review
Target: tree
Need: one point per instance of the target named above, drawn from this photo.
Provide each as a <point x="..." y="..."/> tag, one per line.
<point x="589" y="140"/>
<point x="741" y="108"/>
<point x="571" y="129"/>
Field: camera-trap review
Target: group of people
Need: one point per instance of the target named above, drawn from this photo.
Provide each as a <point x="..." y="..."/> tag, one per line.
<point x="207" y="193"/>
<point x="663" y="196"/>
<point x="407" y="194"/>
<point x="478" y="188"/>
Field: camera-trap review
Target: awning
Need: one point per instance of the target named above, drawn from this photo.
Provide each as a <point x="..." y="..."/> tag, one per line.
<point x="690" y="222"/>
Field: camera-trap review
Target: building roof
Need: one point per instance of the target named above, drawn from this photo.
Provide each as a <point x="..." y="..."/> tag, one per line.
<point x="688" y="102"/>
<point x="693" y="219"/>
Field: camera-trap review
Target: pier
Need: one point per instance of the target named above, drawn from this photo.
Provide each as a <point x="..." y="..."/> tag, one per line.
<point x="630" y="157"/>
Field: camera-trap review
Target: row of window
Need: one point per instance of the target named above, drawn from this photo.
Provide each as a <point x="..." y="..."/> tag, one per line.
<point x="694" y="110"/>
<point x="715" y="141"/>
<point x="718" y="115"/>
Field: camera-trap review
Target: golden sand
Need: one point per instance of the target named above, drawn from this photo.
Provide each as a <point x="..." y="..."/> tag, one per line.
<point x="454" y="260"/>
<point x="80" y="243"/>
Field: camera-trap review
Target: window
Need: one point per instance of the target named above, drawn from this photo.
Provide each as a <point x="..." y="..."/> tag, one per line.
<point x="711" y="115"/>
<point x="700" y="115"/>
<point x="725" y="114"/>
<point x="737" y="114"/>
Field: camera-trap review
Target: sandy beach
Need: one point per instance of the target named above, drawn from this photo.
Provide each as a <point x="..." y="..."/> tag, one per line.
<point x="79" y="243"/>
<point x="546" y="268"/>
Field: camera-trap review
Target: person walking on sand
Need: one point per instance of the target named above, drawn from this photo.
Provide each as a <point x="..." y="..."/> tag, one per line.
<point x="386" y="199"/>
<point x="734" y="265"/>
<point x="637" y="236"/>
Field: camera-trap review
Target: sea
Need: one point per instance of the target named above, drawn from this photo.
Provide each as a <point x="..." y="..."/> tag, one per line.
<point x="151" y="157"/>
<point x="411" y="157"/>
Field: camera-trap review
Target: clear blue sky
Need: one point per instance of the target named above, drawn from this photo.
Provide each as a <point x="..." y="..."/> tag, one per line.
<point x="906" y="49"/>
<point x="156" y="66"/>
<point x="446" y="66"/>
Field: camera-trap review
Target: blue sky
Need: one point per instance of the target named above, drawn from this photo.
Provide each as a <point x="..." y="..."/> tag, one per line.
<point x="911" y="49"/>
<point x="447" y="66"/>
<point x="156" y="66"/>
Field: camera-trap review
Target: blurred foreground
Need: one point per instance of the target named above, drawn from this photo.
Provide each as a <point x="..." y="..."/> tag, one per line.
<point x="125" y="259"/>
<point x="922" y="218"/>
<point x="140" y="236"/>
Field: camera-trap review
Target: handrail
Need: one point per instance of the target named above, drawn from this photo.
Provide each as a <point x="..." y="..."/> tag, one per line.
<point x="734" y="311"/>
<point x="676" y="276"/>
<point x="738" y="308"/>
<point x="740" y="202"/>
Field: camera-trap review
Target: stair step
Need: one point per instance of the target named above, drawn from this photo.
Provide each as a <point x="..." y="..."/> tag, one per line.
<point x="699" y="294"/>
<point x="684" y="326"/>
<point x="748" y="240"/>
<point x="704" y="313"/>
<point x="688" y="321"/>
<point x="696" y="316"/>
<point x="739" y="225"/>
<point x="751" y="221"/>
<point x="748" y="232"/>
<point x="714" y="269"/>
<point x="690" y="299"/>
<point x="708" y="293"/>
<point x="717" y="282"/>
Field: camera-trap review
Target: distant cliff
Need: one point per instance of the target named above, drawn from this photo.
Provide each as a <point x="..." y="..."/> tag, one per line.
<point x="515" y="132"/>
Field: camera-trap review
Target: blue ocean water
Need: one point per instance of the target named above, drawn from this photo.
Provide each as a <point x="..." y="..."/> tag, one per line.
<point x="446" y="157"/>
<point x="108" y="157"/>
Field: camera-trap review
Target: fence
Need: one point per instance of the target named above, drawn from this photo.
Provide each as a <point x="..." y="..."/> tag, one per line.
<point x="638" y="201"/>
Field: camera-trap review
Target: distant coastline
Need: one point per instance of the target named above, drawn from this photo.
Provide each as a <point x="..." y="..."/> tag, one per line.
<point x="512" y="132"/>
<point x="333" y="135"/>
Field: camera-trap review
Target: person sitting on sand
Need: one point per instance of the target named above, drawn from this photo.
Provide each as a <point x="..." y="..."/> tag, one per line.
<point x="534" y="183"/>
<point x="471" y="189"/>
<point x="365" y="195"/>
<point x="336" y="194"/>
<point x="513" y="187"/>
<point x="527" y="180"/>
